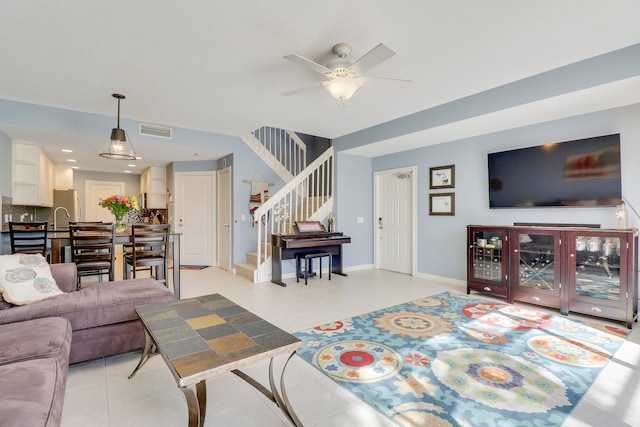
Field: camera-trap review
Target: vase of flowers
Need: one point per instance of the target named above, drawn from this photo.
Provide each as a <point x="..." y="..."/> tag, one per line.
<point x="281" y="215"/>
<point x="119" y="205"/>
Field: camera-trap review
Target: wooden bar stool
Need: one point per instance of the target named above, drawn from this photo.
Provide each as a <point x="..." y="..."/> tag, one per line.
<point x="29" y="237"/>
<point x="148" y="249"/>
<point x="93" y="249"/>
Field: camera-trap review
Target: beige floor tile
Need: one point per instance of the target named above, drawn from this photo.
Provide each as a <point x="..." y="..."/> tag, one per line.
<point x="86" y="373"/>
<point x="100" y="392"/>
<point x="84" y="403"/>
<point x="164" y="410"/>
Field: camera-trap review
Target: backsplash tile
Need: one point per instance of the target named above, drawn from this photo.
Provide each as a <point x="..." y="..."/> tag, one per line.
<point x="15" y="213"/>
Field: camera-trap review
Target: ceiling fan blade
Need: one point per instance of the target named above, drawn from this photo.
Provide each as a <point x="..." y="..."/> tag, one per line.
<point x="372" y="58"/>
<point x="366" y="79"/>
<point x="302" y="89"/>
<point x="310" y="64"/>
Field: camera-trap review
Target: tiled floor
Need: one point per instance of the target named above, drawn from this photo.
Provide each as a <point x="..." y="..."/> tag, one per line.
<point x="99" y="393"/>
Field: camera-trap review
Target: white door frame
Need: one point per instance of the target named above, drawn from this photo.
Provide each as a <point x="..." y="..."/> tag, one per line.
<point x="220" y="216"/>
<point x="413" y="170"/>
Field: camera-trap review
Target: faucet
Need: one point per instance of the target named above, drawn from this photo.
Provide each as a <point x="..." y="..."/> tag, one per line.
<point x="55" y="214"/>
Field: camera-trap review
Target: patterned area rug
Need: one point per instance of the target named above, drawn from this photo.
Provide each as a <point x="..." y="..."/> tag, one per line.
<point x="458" y="360"/>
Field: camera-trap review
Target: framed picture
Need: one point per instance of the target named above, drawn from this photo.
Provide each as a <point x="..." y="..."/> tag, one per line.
<point x="442" y="177"/>
<point x="442" y="204"/>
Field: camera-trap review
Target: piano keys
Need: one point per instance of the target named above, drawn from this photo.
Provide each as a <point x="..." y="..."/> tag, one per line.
<point x="289" y="245"/>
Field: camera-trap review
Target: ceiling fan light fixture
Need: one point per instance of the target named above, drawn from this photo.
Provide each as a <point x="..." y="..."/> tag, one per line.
<point x="342" y="88"/>
<point x="120" y="146"/>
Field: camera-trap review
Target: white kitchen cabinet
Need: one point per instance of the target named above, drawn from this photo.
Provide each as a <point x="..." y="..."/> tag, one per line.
<point x="153" y="181"/>
<point x="32" y="175"/>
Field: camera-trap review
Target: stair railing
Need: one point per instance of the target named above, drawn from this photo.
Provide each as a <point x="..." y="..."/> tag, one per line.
<point x="281" y="149"/>
<point x="308" y="196"/>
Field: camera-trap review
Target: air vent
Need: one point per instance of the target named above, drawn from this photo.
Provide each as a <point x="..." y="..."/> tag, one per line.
<point x="151" y="130"/>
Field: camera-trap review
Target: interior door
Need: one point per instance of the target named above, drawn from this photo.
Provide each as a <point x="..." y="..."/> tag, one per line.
<point x="194" y="197"/>
<point x="394" y="220"/>
<point x="224" y="218"/>
<point x="96" y="190"/>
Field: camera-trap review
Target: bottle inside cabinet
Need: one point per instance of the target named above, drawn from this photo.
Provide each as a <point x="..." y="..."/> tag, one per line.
<point x="488" y="261"/>
<point x="487" y="255"/>
<point x="598" y="267"/>
<point x="536" y="261"/>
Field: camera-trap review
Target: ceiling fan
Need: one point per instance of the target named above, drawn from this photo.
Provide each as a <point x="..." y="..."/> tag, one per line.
<point x="344" y="77"/>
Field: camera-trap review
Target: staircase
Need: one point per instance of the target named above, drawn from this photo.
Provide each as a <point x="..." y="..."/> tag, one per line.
<point x="281" y="149"/>
<point x="308" y="195"/>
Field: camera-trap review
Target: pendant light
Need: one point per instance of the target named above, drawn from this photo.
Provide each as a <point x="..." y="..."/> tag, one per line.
<point x="120" y="147"/>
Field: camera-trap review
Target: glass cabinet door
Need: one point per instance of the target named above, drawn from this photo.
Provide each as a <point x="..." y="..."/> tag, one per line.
<point x="598" y="266"/>
<point x="488" y="260"/>
<point x="536" y="261"/>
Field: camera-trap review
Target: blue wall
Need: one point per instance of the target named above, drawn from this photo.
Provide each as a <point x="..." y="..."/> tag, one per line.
<point x="442" y="239"/>
<point x="354" y="198"/>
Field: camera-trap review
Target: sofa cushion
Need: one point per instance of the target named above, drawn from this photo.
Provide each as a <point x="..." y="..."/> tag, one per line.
<point x="34" y="361"/>
<point x="35" y="339"/>
<point x="96" y="305"/>
<point x="66" y="276"/>
<point x="26" y="278"/>
<point x="32" y="393"/>
<point x="3" y="304"/>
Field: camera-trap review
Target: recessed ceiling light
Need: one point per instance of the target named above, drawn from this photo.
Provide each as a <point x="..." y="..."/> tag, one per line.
<point x="127" y="171"/>
<point x="71" y="160"/>
<point x="138" y="158"/>
<point x="75" y="167"/>
<point x="66" y="150"/>
<point x="132" y="166"/>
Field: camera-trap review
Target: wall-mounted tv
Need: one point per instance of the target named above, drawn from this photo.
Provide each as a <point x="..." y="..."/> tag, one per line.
<point x="583" y="172"/>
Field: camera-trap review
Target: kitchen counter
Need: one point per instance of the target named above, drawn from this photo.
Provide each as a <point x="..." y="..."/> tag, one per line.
<point x="61" y="239"/>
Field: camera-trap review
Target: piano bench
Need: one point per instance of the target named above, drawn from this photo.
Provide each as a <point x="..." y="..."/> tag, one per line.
<point x="308" y="263"/>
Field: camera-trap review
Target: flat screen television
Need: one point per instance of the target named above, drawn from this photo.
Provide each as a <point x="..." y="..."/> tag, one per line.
<point x="583" y="172"/>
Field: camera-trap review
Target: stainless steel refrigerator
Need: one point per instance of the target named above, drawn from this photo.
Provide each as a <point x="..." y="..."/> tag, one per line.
<point x="69" y="200"/>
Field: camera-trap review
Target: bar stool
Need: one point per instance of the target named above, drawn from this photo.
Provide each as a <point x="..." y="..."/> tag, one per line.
<point x="29" y="237"/>
<point x="93" y="249"/>
<point x="148" y="250"/>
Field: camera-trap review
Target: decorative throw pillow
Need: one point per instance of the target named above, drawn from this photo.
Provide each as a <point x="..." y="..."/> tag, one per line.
<point x="26" y="278"/>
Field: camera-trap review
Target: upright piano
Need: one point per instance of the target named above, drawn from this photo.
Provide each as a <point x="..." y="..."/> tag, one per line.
<point x="310" y="237"/>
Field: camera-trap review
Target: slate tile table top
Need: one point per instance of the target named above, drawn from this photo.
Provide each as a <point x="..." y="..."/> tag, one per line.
<point x="200" y="338"/>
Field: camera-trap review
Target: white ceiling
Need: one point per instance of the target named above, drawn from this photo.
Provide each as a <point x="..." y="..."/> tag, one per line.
<point x="218" y="66"/>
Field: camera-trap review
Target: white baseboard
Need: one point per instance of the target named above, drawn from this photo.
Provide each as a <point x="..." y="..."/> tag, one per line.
<point x="358" y="267"/>
<point x="441" y="279"/>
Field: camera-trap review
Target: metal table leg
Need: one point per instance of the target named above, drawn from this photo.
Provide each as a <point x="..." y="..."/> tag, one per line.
<point x="148" y="351"/>
<point x="196" y="403"/>
<point x="281" y="401"/>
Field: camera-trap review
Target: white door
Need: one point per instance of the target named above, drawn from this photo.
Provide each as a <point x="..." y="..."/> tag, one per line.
<point x="194" y="197"/>
<point x="96" y="190"/>
<point x="394" y="220"/>
<point x="224" y="218"/>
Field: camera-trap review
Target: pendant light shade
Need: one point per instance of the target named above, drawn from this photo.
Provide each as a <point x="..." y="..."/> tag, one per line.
<point x="119" y="147"/>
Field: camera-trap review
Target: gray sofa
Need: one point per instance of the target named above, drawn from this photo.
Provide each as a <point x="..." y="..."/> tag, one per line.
<point x="39" y="340"/>
<point x="102" y="316"/>
<point x="34" y="359"/>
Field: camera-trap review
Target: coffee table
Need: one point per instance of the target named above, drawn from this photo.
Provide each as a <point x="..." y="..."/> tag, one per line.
<point x="200" y="338"/>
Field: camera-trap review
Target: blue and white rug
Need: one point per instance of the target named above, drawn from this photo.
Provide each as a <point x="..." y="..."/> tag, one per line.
<point x="457" y="360"/>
